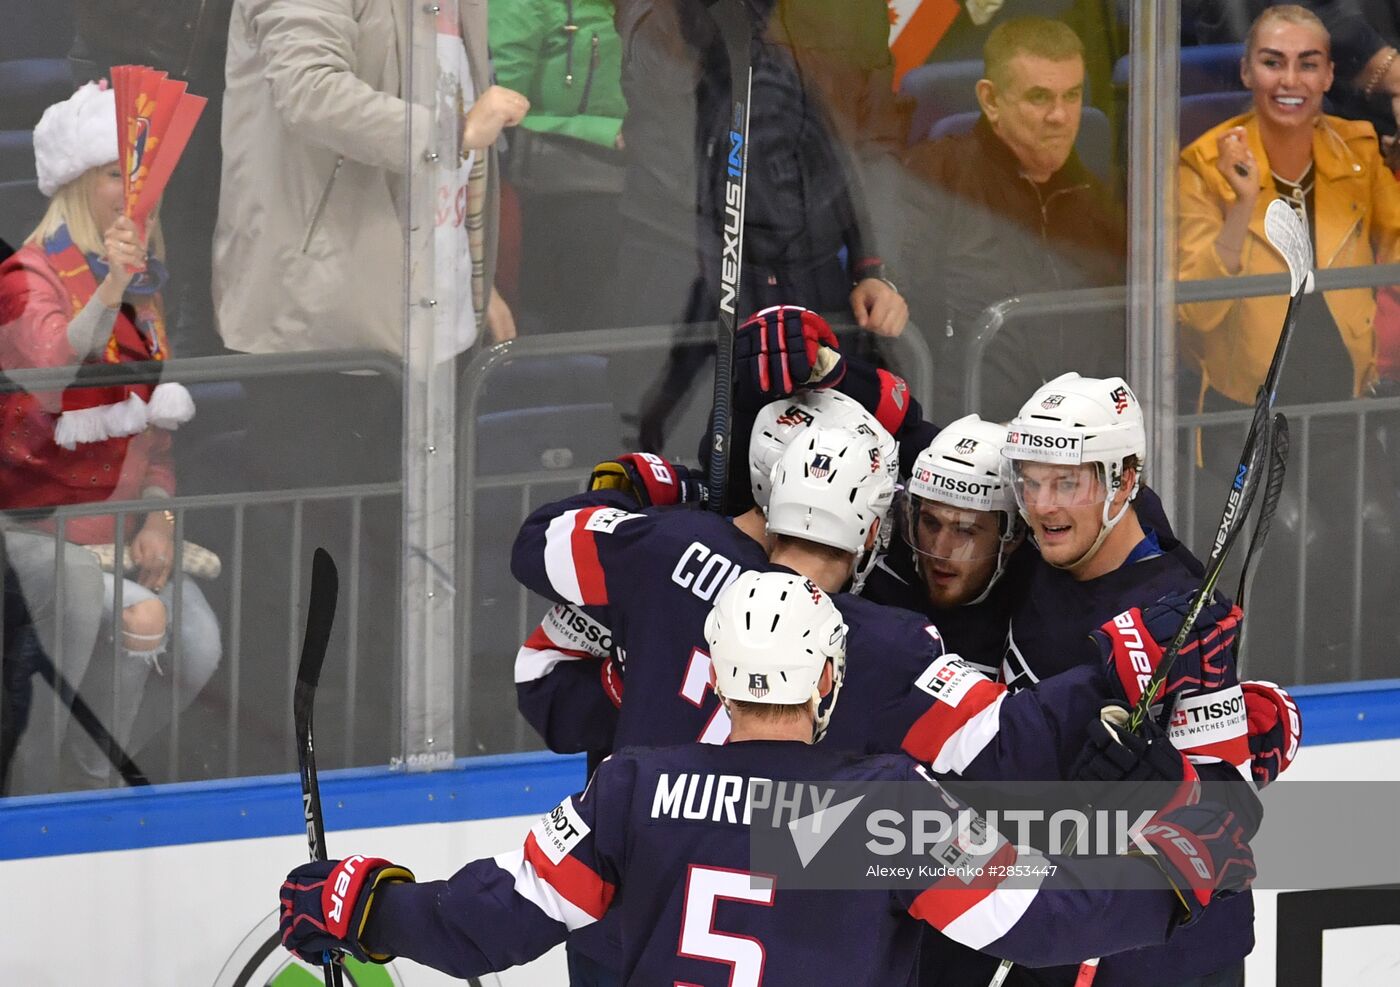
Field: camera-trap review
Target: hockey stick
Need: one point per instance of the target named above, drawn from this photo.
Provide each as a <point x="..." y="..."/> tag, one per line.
<point x="320" y="614"/>
<point x="1273" y="490"/>
<point x="1285" y="232"/>
<point x="736" y="30"/>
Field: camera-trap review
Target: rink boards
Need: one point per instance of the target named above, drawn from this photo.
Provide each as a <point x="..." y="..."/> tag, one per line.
<point x="177" y="886"/>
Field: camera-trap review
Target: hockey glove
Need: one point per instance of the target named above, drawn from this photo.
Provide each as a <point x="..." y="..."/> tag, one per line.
<point x="1202" y="851"/>
<point x="325" y="905"/>
<point x="1275" y="730"/>
<point x="1132" y="643"/>
<point x="650" y="480"/>
<point x="1136" y="772"/>
<point x="784" y="349"/>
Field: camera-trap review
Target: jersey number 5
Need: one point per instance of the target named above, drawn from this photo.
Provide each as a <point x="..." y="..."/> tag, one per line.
<point x="704" y="886"/>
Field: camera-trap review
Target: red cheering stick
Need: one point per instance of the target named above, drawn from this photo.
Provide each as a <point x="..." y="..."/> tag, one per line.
<point x="155" y="118"/>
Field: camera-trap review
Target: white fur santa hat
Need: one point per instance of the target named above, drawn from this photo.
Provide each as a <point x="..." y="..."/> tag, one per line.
<point x="75" y="135"/>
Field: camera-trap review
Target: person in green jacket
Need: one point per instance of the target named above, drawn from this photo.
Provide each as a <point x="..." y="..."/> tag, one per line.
<point x="565" y="161"/>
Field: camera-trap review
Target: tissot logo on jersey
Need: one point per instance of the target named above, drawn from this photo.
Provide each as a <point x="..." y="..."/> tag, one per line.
<point x="607" y="519"/>
<point x="1208" y="719"/>
<point x="568" y="626"/>
<point x="949" y="679"/>
<point x="560" y="831"/>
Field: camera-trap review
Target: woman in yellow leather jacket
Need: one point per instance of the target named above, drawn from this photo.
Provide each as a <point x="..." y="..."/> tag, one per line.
<point x="1331" y="171"/>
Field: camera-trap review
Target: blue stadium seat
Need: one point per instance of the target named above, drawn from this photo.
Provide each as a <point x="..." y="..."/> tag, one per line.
<point x="35" y="28"/>
<point x="1204" y="69"/>
<point x="1093" y="143"/>
<point x="22" y="205"/>
<point x="28" y="86"/>
<point x="1204" y="110"/>
<point x="16" y="155"/>
<point x="939" y="90"/>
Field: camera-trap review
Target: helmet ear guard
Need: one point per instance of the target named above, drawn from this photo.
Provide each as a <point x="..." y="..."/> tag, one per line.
<point x="834" y="486"/>
<point x="1075" y="420"/>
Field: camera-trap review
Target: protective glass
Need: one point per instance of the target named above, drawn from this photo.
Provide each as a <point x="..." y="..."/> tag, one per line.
<point x="1045" y="486"/>
<point x="952" y="534"/>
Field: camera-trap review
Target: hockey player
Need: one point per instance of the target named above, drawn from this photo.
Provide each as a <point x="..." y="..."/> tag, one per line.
<point x="778" y="645"/>
<point x="1076" y="454"/>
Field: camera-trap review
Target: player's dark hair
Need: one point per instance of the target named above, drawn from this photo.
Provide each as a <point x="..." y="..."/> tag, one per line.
<point x="1052" y="40"/>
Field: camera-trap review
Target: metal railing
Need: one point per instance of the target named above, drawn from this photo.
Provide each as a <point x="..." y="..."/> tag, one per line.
<point x="1195" y="498"/>
<point x="55" y="520"/>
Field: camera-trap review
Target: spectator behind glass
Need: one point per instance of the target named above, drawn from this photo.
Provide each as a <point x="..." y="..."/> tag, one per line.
<point x="823" y="129"/>
<point x="1363" y="33"/>
<point x="68" y="297"/>
<point x="1330" y="171"/>
<point x="1007" y="210"/>
<point x="186" y="38"/>
<point x="565" y="160"/>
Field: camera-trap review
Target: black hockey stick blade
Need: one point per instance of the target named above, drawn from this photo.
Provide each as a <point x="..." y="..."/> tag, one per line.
<point x="735" y="24"/>
<point x="1273" y="491"/>
<point x="320" y="616"/>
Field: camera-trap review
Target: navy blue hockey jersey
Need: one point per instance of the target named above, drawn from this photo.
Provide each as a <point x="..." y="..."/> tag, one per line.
<point x="658" y="572"/>
<point x="1048" y="635"/>
<point x="676" y="872"/>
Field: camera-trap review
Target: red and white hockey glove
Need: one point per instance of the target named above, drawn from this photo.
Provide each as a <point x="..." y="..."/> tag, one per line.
<point x="785" y="349"/>
<point x="1275" y="730"/>
<point x="325" y="906"/>
<point x="1203" y="852"/>
<point x="650" y="480"/>
<point x="1132" y="643"/>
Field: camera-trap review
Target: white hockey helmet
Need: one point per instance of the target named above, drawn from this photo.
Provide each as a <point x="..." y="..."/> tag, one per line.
<point x="831" y="486"/>
<point x="962" y="469"/>
<point x="770" y="635"/>
<point x="780" y="421"/>
<point x="1074" y="420"/>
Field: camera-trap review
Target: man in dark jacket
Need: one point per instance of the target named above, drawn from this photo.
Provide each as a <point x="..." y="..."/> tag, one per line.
<point x="1007" y="210"/>
<point x="823" y="134"/>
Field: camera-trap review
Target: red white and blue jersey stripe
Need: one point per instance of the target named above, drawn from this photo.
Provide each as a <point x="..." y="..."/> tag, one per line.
<point x="692" y="912"/>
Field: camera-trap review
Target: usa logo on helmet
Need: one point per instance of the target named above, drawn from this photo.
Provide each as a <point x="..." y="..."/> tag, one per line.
<point x="758" y="685"/>
<point x="1119" y="396"/>
<point x="821" y="465"/>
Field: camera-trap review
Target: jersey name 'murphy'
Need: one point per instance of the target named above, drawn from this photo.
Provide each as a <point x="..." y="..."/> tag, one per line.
<point x="704" y="572"/>
<point x="732" y="798"/>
